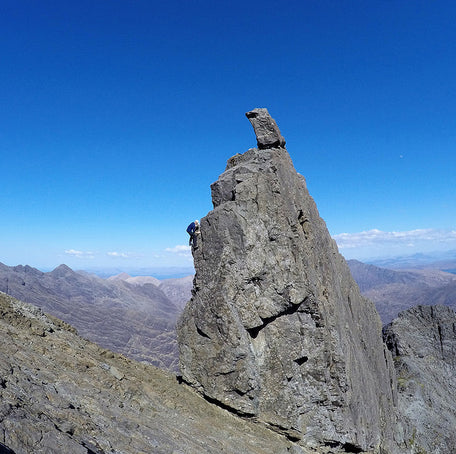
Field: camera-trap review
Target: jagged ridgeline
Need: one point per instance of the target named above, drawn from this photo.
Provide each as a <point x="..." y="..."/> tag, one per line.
<point x="277" y="328"/>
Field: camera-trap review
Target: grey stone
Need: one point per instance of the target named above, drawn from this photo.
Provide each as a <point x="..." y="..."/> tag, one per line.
<point x="277" y="329"/>
<point x="266" y="130"/>
<point x="59" y="395"/>
<point x="423" y="342"/>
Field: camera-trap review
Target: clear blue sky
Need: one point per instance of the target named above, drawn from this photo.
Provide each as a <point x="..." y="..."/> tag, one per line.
<point x="118" y="115"/>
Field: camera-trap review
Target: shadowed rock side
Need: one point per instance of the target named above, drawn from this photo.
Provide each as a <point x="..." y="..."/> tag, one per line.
<point x="277" y="328"/>
<point x="423" y="342"/>
<point x="61" y="394"/>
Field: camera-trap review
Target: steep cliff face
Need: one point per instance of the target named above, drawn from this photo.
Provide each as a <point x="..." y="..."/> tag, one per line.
<point x="423" y="342"/>
<point x="276" y="328"/>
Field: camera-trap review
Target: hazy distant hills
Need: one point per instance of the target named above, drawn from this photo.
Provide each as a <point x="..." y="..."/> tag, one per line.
<point x="393" y="291"/>
<point x="443" y="261"/>
<point x="132" y="316"/>
<point x="137" y="280"/>
<point x="178" y="290"/>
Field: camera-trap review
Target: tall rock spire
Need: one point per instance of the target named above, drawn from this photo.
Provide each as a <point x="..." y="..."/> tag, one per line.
<point x="276" y="328"/>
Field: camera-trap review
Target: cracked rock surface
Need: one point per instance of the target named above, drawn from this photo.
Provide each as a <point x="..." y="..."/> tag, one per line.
<point x="423" y="343"/>
<point x="276" y="328"/>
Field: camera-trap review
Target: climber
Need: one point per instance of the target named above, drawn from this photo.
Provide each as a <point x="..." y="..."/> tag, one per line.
<point x="193" y="230"/>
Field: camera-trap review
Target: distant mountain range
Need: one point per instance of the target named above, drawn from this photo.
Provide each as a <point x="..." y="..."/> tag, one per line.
<point x="438" y="260"/>
<point x="393" y="291"/>
<point x="135" y="316"/>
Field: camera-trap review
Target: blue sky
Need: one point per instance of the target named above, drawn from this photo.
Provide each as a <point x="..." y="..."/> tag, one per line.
<point x="118" y="115"/>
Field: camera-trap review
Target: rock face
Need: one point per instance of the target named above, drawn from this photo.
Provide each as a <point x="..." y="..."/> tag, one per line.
<point x="61" y="394"/>
<point x="276" y="328"/>
<point x="423" y="342"/>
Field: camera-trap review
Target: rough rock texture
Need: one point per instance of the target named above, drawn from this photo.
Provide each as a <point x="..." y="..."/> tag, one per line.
<point x="61" y="394"/>
<point x="266" y="129"/>
<point x="423" y="343"/>
<point x="277" y="328"/>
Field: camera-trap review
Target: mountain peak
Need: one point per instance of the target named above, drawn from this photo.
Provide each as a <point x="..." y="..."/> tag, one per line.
<point x="62" y="270"/>
<point x="276" y="324"/>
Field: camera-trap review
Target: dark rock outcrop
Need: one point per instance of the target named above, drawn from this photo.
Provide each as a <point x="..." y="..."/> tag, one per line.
<point x="423" y="343"/>
<point x="266" y="129"/>
<point x="277" y="328"/>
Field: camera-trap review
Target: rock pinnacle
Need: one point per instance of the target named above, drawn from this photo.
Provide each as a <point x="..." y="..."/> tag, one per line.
<point x="277" y="328"/>
<point x="266" y="130"/>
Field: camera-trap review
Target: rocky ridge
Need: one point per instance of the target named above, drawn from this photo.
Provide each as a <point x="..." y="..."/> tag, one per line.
<point x="278" y="334"/>
<point x="423" y="342"/>
<point x="61" y="394"/>
<point x="277" y="328"/>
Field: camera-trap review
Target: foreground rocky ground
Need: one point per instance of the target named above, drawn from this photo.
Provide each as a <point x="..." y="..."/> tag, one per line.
<point x="62" y="394"/>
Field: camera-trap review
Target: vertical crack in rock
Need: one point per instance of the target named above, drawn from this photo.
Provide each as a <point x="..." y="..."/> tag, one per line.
<point x="439" y="328"/>
<point x="202" y="333"/>
<point x="276" y="327"/>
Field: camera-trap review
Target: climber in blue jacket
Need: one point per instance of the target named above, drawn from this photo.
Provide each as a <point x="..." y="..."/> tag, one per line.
<point x="193" y="230"/>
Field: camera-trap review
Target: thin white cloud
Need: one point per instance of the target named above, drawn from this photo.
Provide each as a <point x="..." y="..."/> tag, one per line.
<point x="80" y="254"/>
<point x="407" y="238"/>
<point x="179" y="249"/>
<point x="122" y="255"/>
